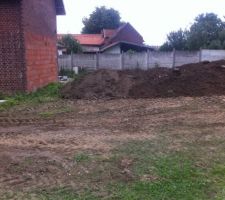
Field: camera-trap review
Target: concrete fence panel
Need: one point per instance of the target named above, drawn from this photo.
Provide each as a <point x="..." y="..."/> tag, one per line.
<point x="144" y="60"/>
<point x="84" y="61"/>
<point x="186" y="57"/>
<point x="160" y="59"/>
<point x="64" y="62"/>
<point x="212" y="55"/>
<point x="134" y="61"/>
<point x="109" y="61"/>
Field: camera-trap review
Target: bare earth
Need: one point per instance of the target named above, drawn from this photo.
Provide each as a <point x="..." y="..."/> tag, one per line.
<point x="38" y="143"/>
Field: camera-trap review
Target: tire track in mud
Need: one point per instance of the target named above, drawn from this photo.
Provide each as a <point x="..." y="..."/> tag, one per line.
<point x="11" y="121"/>
<point x="37" y="172"/>
<point x="26" y="180"/>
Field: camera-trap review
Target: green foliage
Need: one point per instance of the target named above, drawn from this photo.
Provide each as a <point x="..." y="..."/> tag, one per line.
<point x="131" y="51"/>
<point x="176" y="40"/>
<point x="207" y="31"/>
<point x="166" y="47"/>
<point x="67" y="72"/>
<point x="101" y="18"/>
<point x="2" y="96"/>
<point x="215" y="44"/>
<point x="71" y="44"/>
<point x="71" y="73"/>
<point x="46" y="94"/>
<point x="222" y="35"/>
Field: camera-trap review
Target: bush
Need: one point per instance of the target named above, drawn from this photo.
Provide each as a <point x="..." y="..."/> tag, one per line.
<point x="2" y="96"/>
<point x="71" y="74"/>
<point x="67" y="72"/>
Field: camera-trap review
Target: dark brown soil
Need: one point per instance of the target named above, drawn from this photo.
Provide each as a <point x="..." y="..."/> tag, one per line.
<point x="201" y="79"/>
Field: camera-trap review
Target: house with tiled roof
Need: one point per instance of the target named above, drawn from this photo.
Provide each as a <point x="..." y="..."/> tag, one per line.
<point x="123" y="39"/>
<point x="28" y="38"/>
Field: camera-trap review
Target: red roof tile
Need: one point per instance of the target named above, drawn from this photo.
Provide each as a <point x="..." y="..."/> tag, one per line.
<point x="86" y="39"/>
<point x="89" y="39"/>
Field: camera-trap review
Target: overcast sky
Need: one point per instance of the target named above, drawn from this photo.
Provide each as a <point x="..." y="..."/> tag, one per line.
<point x="153" y="19"/>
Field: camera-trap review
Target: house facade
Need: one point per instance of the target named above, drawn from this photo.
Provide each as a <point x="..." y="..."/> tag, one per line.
<point x="114" y="41"/>
<point x="28" y="52"/>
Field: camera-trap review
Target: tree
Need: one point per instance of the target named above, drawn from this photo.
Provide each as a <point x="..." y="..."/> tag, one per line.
<point x="71" y="44"/>
<point x="175" y="40"/>
<point x="215" y="44"/>
<point x="205" y="31"/>
<point x="166" y="47"/>
<point x="101" y="18"/>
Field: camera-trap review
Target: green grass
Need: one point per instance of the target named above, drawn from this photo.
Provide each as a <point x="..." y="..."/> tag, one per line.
<point x="52" y="113"/>
<point x="46" y="94"/>
<point x="160" y="174"/>
<point x="81" y="157"/>
<point x="176" y="178"/>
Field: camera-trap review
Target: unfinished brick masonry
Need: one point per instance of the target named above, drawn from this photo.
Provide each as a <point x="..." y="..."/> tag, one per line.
<point x="12" y="63"/>
<point x="28" y="58"/>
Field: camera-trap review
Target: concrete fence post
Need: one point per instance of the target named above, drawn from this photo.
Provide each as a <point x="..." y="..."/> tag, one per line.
<point x="174" y="57"/>
<point x="200" y="55"/>
<point x="147" y="61"/>
<point x="96" y="61"/>
<point x="71" y="60"/>
<point x="121" y="60"/>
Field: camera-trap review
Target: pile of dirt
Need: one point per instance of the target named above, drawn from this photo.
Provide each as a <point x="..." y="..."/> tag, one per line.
<point x="201" y="79"/>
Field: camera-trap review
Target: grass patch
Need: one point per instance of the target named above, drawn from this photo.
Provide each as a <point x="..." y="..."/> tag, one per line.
<point x="81" y="157"/>
<point x="49" y="114"/>
<point x="177" y="178"/>
<point x="161" y="174"/>
<point x="46" y="94"/>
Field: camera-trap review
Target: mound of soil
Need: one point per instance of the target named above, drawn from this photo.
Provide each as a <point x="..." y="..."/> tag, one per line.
<point x="200" y="79"/>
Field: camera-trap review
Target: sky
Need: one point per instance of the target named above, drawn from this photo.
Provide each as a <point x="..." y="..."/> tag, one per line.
<point x="153" y="19"/>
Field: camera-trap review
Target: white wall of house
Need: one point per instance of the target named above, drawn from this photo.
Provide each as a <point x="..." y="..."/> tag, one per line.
<point x="90" y="48"/>
<point x="113" y="50"/>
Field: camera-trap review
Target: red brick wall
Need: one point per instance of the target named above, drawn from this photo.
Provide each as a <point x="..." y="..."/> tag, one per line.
<point x="128" y="34"/>
<point x="39" y="23"/>
<point x="12" y="66"/>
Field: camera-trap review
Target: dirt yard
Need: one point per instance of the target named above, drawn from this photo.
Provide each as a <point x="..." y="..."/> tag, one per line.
<point x="169" y="148"/>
